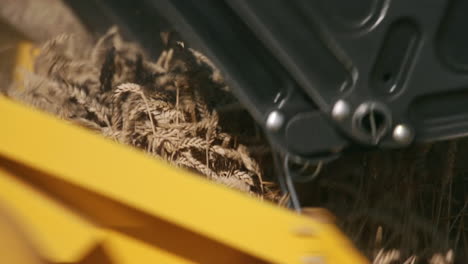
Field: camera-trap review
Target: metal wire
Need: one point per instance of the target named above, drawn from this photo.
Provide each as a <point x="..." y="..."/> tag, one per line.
<point x="296" y="205"/>
<point x="280" y="176"/>
<point x="312" y="176"/>
<point x="286" y="182"/>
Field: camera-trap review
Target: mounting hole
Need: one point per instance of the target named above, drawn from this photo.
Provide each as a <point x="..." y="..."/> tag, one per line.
<point x="372" y="120"/>
<point x="387" y="77"/>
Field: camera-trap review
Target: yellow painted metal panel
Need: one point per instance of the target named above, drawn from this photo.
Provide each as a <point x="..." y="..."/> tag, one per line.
<point x="14" y="247"/>
<point x="77" y="156"/>
<point x="57" y="233"/>
<point x="60" y="235"/>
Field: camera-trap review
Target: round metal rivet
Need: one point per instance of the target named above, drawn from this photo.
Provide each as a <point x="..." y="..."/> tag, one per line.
<point x="275" y="120"/>
<point x="340" y="110"/>
<point x="402" y="134"/>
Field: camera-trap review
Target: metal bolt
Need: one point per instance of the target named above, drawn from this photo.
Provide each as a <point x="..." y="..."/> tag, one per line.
<point x="275" y="120"/>
<point x="340" y="110"/>
<point x="403" y="134"/>
<point x="313" y="260"/>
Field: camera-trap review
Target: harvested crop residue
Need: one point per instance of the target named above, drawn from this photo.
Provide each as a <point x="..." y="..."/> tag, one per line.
<point x="170" y="108"/>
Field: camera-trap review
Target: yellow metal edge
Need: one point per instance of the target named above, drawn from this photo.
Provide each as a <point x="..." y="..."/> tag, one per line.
<point x="87" y="160"/>
<point x="61" y="236"/>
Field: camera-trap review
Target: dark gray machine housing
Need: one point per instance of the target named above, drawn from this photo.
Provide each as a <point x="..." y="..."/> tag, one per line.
<point x="323" y="77"/>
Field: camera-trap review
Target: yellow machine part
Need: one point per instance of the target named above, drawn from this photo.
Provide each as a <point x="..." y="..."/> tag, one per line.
<point x="80" y="198"/>
<point x="62" y="236"/>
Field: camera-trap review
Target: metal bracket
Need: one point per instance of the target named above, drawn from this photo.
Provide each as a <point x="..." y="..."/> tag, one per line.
<point x="399" y="70"/>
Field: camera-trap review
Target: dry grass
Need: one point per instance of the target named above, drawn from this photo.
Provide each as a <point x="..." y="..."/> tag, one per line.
<point x="394" y="256"/>
<point x="413" y="201"/>
<point x="168" y="108"/>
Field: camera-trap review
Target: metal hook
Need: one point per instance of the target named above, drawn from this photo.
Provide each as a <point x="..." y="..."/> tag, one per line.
<point x="291" y="177"/>
<point x="302" y="178"/>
